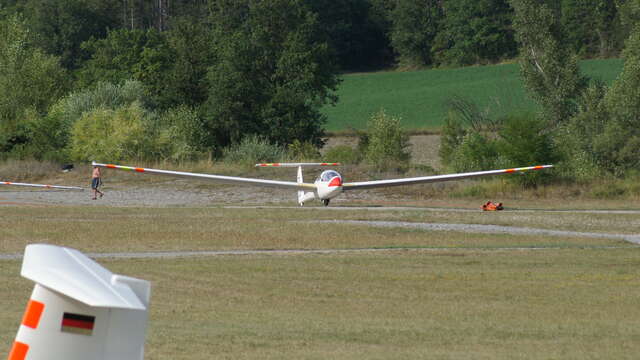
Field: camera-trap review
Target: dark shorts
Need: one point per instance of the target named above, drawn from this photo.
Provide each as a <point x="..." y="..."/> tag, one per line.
<point x="95" y="183"/>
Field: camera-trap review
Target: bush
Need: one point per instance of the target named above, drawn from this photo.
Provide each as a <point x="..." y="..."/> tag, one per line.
<point x="473" y="141"/>
<point x="617" y="148"/>
<point x="453" y="133"/>
<point x="178" y="136"/>
<point x="387" y="143"/>
<point x="344" y="154"/>
<point x="525" y="141"/>
<point x="48" y="137"/>
<point x="303" y="151"/>
<point x="45" y="138"/>
<point x="574" y="140"/>
<point x="104" y="95"/>
<point x="521" y="141"/>
<point x="112" y="135"/>
<point x="254" y="149"/>
<point x="475" y="153"/>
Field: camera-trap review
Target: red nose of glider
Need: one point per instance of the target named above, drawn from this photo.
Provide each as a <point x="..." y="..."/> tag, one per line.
<point x="336" y="181"/>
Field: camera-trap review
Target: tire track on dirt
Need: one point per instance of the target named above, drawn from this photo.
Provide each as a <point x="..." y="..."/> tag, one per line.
<point x="289" y="252"/>
<point x="485" y="229"/>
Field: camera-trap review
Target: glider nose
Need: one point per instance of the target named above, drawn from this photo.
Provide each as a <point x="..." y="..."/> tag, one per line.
<point x="336" y="181"/>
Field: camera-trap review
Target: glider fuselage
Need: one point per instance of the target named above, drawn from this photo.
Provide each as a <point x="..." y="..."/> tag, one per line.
<point x="328" y="185"/>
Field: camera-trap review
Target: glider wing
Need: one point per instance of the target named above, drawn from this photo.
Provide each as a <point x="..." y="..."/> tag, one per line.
<point x="41" y="186"/>
<point x="217" y="178"/>
<point x="436" y="178"/>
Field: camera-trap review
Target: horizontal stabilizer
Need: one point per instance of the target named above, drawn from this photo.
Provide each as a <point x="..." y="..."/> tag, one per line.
<point x="296" y="164"/>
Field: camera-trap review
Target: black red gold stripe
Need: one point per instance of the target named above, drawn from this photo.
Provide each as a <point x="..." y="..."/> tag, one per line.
<point x="78" y="324"/>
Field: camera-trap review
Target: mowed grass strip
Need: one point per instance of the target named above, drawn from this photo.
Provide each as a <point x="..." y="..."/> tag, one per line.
<point x="419" y="97"/>
<point x="110" y="229"/>
<point x="569" y="304"/>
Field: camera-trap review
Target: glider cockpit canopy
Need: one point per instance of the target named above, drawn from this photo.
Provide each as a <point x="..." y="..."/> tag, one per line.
<point x="327" y="175"/>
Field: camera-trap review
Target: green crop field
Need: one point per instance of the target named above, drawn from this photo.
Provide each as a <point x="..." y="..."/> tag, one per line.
<point x="419" y="97"/>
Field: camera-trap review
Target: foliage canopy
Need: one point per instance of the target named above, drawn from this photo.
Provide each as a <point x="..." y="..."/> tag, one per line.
<point x="272" y="74"/>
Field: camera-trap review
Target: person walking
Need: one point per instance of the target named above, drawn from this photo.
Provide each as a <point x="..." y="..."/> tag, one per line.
<point x="96" y="181"/>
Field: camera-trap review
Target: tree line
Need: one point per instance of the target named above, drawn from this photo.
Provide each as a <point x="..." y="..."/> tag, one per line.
<point x="362" y="34"/>
<point x="590" y="129"/>
<point x="176" y="79"/>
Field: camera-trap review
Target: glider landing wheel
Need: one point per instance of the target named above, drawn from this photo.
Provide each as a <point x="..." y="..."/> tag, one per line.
<point x="325" y="202"/>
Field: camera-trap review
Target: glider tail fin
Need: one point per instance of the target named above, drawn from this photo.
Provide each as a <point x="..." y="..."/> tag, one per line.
<point x="300" y="192"/>
<point x="303" y="196"/>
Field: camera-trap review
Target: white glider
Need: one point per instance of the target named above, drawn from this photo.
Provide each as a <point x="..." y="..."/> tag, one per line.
<point x="327" y="186"/>
<point x="41" y="185"/>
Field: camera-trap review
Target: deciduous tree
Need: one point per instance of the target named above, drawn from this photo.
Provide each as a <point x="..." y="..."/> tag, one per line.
<point x="29" y="81"/>
<point x="60" y="26"/>
<point x="415" y="26"/>
<point x="549" y="68"/>
<point x="273" y="73"/>
<point x="475" y="32"/>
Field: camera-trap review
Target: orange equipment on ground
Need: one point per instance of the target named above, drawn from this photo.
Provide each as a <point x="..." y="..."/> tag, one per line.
<point x="491" y="206"/>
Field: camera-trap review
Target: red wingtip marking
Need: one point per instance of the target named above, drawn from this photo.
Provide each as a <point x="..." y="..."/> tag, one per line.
<point x="139" y="169"/>
<point x="538" y="167"/>
<point x="510" y="170"/>
<point x="110" y="166"/>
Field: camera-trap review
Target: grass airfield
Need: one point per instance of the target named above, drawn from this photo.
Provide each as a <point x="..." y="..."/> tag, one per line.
<point x="430" y="294"/>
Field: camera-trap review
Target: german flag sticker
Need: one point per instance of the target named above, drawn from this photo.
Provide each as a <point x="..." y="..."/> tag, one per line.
<point x="78" y="324"/>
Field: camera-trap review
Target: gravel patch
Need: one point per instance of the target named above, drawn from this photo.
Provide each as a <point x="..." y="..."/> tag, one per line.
<point x="189" y="194"/>
<point x="170" y="194"/>
<point x="152" y="196"/>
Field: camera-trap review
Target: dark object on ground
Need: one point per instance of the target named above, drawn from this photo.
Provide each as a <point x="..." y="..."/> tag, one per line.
<point x="491" y="206"/>
<point x="67" y="167"/>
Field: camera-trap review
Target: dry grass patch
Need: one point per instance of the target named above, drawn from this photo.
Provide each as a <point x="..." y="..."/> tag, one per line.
<point x="98" y="229"/>
<point x="569" y="304"/>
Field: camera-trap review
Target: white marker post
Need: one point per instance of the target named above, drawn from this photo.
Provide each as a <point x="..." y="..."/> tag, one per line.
<point x="79" y="310"/>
